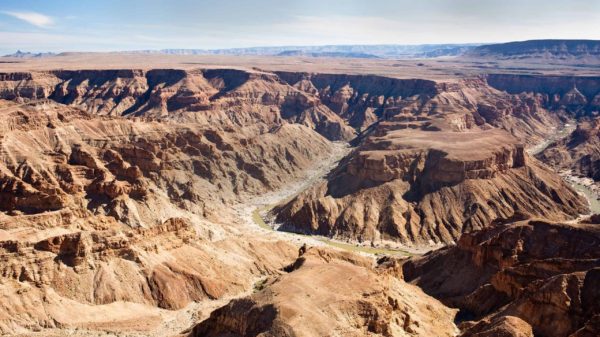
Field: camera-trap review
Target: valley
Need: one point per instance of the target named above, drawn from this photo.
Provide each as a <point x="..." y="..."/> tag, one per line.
<point x="266" y="196"/>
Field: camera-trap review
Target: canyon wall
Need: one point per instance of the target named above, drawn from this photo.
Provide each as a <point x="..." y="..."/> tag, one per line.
<point x="227" y="97"/>
<point x="576" y="94"/>
<point x="119" y="186"/>
<point x="544" y="273"/>
<point x="434" y="167"/>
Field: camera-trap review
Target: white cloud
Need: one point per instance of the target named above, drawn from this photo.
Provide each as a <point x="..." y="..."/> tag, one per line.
<point x="36" y="19"/>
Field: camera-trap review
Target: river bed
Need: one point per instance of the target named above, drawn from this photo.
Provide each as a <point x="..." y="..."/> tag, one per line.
<point x="585" y="186"/>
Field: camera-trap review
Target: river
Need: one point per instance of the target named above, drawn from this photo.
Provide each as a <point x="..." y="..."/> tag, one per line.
<point x="581" y="185"/>
<point x="256" y="210"/>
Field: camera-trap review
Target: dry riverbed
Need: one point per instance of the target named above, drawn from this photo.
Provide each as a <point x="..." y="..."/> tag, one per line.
<point x="585" y="186"/>
<point x="255" y="213"/>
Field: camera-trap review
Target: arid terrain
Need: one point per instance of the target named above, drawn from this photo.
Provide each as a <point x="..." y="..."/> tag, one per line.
<point x="211" y="195"/>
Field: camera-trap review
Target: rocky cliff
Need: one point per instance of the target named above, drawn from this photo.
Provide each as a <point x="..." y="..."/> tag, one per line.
<point x="546" y="274"/>
<point x="577" y="95"/>
<point x="418" y="186"/>
<point x="360" y="99"/>
<point x="54" y="158"/>
<point x="102" y="217"/>
<point x="123" y="195"/>
<point x="433" y="167"/>
<point x="227" y="97"/>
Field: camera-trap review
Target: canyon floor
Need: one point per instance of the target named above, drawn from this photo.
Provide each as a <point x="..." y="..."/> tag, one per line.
<point x="154" y="195"/>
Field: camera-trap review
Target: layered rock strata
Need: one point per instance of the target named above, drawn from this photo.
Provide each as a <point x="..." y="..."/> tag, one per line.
<point x="417" y="186"/>
<point x="545" y="273"/>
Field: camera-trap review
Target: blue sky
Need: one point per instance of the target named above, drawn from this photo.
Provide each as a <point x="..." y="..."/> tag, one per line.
<point x="108" y="25"/>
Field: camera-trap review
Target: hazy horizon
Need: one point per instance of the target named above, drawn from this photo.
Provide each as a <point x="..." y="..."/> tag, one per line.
<point x="67" y="25"/>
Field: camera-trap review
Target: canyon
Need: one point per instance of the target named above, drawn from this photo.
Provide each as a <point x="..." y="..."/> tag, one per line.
<point x="128" y="199"/>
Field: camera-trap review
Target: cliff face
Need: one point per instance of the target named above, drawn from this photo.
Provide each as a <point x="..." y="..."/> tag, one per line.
<point x="360" y="99"/>
<point x="421" y="186"/>
<point x="226" y="97"/>
<point x="325" y="292"/>
<point x="434" y="167"/>
<point x="120" y="196"/>
<point x="545" y="273"/>
<point x="53" y="158"/>
<point x="577" y="95"/>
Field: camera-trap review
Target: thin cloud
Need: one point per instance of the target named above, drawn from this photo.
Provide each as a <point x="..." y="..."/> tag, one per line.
<point x="36" y="19"/>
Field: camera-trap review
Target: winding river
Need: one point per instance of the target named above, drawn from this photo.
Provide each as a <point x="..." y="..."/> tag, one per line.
<point x="581" y="185"/>
<point x="257" y="210"/>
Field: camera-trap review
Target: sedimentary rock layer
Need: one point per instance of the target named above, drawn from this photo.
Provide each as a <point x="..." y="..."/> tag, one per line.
<point x="545" y="273"/>
<point x="418" y="186"/>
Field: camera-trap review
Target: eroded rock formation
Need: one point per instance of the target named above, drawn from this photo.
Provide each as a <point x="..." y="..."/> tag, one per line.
<point x="227" y="97"/>
<point x="121" y="190"/>
<point x="546" y="274"/>
<point x="107" y="219"/>
<point x="325" y="293"/>
<point x="418" y="186"/>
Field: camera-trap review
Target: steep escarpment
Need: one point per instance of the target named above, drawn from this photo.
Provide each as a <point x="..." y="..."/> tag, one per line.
<point x="416" y="186"/>
<point x="328" y="293"/>
<point x="456" y="104"/>
<point x="124" y="195"/>
<point x="576" y="95"/>
<point x="433" y="167"/>
<point x="547" y="274"/>
<point x="225" y="97"/>
<point x="54" y="158"/>
<point x="539" y="49"/>
<point x="360" y="99"/>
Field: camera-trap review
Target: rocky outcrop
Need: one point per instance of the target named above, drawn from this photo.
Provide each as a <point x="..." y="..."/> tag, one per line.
<point x="434" y="165"/>
<point x="544" y="273"/>
<point x="418" y="187"/>
<point x="325" y="293"/>
<point x="226" y="97"/>
<point x="120" y="197"/>
<point x="95" y="271"/>
<point x="504" y="326"/>
<point x="115" y="166"/>
<point x="102" y="215"/>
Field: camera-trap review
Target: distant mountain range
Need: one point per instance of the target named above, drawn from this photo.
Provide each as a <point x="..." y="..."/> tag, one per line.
<point x="355" y="51"/>
<point x="20" y="54"/>
<point x="539" y="49"/>
<point x="327" y="54"/>
<point x="546" y="49"/>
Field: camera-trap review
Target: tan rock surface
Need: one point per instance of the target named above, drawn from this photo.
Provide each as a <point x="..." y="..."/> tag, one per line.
<point x="417" y="186"/>
<point x="326" y="293"/>
<point x="544" y="273"/>
<point x="122" y="193"/>
<point x="117" y="218"/>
